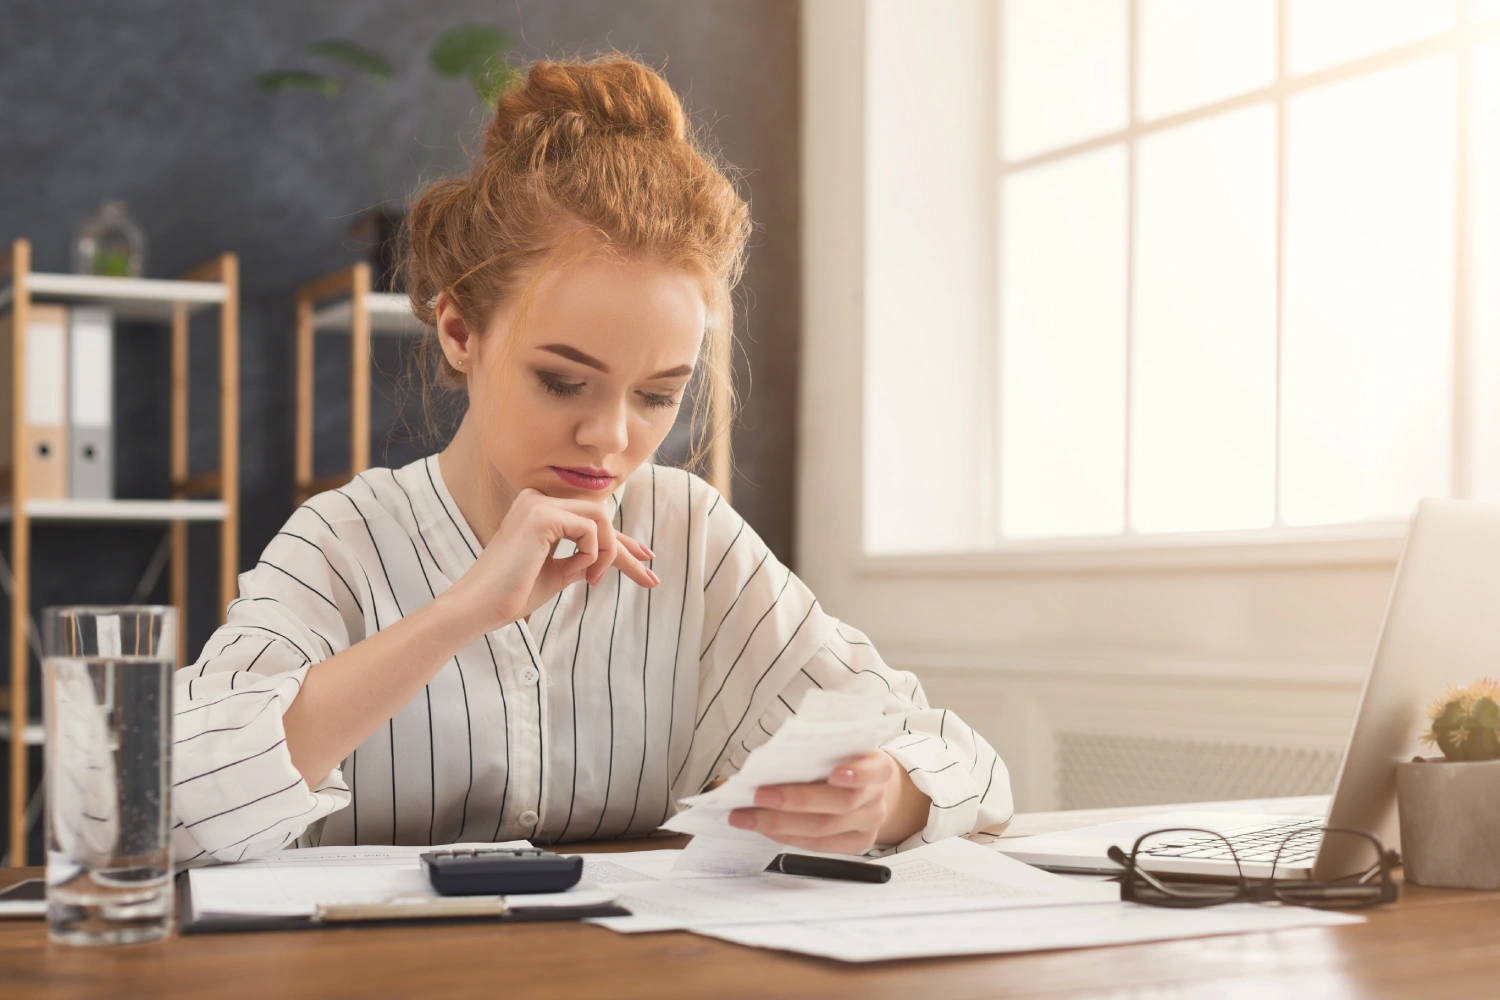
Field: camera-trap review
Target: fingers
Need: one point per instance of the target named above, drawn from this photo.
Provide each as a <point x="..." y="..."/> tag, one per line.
<point x="841" y="815"/>
<point x="874" y="768"/>
<point x="813" y="798"/>
<point x="635" y="548"/>
<point x="581" y="531"/>
<point x="605" y="546"/>
<point x="612" y="544"/>
<point x="631" y="567"/>
<point x="815" y="830"/>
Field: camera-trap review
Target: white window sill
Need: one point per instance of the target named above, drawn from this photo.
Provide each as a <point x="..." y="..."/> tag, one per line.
<point x="1370" y="544"/>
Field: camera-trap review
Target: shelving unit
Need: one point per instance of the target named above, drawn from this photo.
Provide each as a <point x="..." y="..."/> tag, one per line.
<point x="212" y="285"/>
<point x="342" y="302"/>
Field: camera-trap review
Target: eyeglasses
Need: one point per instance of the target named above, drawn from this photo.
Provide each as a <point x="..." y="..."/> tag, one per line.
<point x="1371" y="885"/>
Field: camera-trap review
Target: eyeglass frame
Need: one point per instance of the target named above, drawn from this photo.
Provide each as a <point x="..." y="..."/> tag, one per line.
<point x="1255" y="890"/>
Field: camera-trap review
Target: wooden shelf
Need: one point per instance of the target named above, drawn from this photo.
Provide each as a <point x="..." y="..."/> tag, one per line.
<point x="214" y="287"/>
<point x="122" y="511"/>
<point x="127" y="298"/>
<point x="390" y="315"/>
<point x="32" y="734"/>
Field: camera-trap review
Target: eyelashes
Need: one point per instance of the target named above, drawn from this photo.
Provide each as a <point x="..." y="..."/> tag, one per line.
<point x="558" y="387"/>
<point x="568" y="390"/>
<point x="659" y="401"/>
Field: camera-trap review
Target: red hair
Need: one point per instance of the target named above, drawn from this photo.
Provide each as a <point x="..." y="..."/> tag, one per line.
<point x="600" y="149"/>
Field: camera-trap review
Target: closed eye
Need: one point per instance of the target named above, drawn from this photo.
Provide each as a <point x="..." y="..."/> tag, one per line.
<point x="558" y="386"/>
<point x="659" y="400"/>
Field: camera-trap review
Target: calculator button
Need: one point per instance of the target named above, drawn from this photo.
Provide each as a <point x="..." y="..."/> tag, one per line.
<point x="529" y="817"/>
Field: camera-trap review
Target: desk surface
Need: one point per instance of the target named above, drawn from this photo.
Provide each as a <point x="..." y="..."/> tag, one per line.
<point x="1433" y="942"/>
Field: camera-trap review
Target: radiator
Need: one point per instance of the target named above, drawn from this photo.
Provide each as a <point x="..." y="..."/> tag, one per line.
<point x="1098" y="771"/>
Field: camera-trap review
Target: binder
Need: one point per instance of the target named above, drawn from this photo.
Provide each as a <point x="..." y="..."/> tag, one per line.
<point x="45" y="416"/>
<point x="91" y="436"/>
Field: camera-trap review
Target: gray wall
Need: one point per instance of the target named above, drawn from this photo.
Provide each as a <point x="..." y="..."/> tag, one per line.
<point x="154" y="102"/>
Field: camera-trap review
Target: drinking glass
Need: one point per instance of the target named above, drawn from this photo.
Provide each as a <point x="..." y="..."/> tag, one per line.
<point x="108" y="712"/>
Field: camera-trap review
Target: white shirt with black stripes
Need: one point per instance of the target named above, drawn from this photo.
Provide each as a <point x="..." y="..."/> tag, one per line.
<point x="589" y="721"/>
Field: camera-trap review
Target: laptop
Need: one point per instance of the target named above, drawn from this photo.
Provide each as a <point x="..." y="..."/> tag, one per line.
<point x="1441" y="628"/>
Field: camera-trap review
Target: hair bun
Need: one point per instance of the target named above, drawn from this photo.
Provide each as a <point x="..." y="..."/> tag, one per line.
<point x="558" y="105"/>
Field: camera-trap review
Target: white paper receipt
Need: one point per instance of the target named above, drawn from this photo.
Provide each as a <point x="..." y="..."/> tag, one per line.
<point x="829" y="728"/>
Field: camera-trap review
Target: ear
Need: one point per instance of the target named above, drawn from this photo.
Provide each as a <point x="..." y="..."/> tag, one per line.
<point x="454" y="335"/>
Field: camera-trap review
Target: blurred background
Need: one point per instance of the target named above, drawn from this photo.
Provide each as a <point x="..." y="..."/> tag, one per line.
<point x="1094" y="352"/>
<point x="160" y="105"/>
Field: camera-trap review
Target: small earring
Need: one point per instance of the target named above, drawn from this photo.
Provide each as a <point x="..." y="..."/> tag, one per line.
<point x="459" y="363"/>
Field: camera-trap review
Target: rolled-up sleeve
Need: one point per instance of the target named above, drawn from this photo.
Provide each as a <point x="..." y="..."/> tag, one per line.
<point x="235" y="792"/>
<point x="947" y="760"/>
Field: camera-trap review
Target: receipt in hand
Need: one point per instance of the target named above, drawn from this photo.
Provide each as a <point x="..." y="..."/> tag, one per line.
<point x="829" y="728"/>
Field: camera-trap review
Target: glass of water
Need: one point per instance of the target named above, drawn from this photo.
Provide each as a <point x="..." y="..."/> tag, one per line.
<point x="109" y="720"/>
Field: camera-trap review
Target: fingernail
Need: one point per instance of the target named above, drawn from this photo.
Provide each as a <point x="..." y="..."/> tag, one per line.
<point x="771" y="798"/>
<point x="842" y="776"/>
<point x="654" y="577"/>
<point x="744" y="819"/>
<point x="649" y="553"/>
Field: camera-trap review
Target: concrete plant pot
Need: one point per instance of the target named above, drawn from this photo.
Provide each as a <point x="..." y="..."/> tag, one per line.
<point x="1450" y="822"/>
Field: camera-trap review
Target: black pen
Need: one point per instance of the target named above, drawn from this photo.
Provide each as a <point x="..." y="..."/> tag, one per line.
<point x="848" y="871"/>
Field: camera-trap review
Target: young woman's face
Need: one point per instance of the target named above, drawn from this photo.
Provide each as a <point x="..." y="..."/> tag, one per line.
<point x="593" y="379"/>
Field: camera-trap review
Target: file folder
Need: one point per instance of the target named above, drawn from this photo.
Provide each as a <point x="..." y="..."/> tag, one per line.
<point x="45" y="415"/>
<point x="91" y="468"/>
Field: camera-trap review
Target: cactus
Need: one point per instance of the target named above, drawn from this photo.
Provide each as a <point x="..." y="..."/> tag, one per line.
<point x="1466" y="722"/>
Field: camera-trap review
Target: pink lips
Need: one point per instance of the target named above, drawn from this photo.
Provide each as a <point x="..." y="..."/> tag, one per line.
<point x="584" y="478"/>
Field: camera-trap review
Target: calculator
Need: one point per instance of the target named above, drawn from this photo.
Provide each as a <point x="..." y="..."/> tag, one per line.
<point x="500" y="871"/>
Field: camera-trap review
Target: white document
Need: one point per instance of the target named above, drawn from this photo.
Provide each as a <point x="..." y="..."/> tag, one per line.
<point x="997" y="932"/>
<point x="829" y="728"/>
<point x="297" y="882"/>
<point x="951" y="875"/>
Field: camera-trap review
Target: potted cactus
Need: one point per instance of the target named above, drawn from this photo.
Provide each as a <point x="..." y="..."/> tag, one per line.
<point x="1450" y="805"/>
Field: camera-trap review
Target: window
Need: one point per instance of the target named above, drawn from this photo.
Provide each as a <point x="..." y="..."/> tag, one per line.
<point x="1248" y="268"/>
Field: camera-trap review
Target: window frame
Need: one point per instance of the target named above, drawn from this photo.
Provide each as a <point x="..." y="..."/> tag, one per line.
<point x="1355" y="543"/>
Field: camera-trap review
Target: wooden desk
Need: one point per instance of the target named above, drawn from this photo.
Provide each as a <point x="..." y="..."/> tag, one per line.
<point x="1432" y="943"/>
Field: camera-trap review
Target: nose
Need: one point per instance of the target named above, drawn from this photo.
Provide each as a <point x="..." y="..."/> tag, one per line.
<point x="604" y="430"/>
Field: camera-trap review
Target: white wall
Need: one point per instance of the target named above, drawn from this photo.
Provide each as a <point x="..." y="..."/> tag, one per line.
<point x="1204" y="641"/>
<point x="928" y="263"/>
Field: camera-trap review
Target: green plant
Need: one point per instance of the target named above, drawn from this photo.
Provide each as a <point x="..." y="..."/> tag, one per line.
<point x="477" y="53"/>
<point x="1466" y="722"/>
<point x="474" y="52"/>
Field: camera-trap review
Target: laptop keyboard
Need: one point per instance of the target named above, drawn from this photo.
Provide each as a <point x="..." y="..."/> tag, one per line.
<point x="1257" y="843"/>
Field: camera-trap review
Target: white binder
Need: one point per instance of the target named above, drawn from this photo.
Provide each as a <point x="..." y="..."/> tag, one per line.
<point x="91" y="467"/>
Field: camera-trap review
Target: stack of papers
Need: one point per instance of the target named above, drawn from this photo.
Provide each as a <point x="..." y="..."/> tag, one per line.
<point x="998" y="932"/>
<point x="954" y="897"/>
<point x="949" y="876"/>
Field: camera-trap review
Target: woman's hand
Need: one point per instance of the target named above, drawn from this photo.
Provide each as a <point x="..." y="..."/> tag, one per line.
<point x="517" y="573"/>
<point x="865" y="801"/>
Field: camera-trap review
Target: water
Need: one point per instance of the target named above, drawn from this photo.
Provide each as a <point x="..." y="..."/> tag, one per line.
<point x="109" y="846"/>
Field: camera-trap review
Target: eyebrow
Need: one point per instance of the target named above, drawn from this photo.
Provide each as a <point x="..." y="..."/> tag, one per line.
<point x="574" y="354"/>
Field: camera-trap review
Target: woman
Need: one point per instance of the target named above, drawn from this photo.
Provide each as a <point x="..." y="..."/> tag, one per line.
<point x="411" y="661"/>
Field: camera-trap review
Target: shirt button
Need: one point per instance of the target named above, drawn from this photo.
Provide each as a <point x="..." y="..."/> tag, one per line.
<point x="528" y="818"/>
<point x="529" y="675"/>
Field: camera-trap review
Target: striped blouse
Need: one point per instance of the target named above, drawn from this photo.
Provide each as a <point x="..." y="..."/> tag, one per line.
<point x="588" y="721"/>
